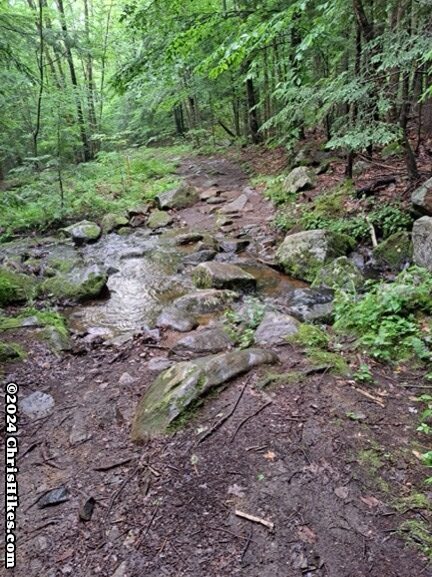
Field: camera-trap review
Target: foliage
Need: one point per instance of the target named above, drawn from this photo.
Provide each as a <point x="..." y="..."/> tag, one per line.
<point x="386" y="319"/>
<point x="240" y="324"/>
<point x="363" y="375"/>
<point x="114" y="182"/>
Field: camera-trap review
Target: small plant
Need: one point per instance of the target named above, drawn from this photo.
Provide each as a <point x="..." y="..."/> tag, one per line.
<point x="363" y="375"/>
<point x="311" y="336"/>
<point x="387" y="320"/>
<point x="240" y="325"/>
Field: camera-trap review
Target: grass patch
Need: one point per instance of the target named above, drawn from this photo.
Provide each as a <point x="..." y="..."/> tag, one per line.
<point x="45" y="318"/>
<point x="113" y="183"/>
<point x="417" y="533"/>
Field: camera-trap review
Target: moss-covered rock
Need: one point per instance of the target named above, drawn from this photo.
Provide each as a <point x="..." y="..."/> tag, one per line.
<point x="221" y="275"/>
<point x="341" y="273"/>
<point x="81" y="285"/>
<point x="178" y="388"/>
<point x="16" y="287"/>
<point x="58" y="340"/>
<point x="159" y="219"/>
<point x="180" y="197"/>
<point x="83" y="232"/>
<point x="10" y="352"/>
<point x="300" y="178"/>
<point x="395" y="252"/>
<point x="112" y="221"/>
<point x="301" y="255"/>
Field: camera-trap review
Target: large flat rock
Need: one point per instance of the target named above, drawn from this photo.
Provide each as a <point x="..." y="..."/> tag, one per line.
<point x="221" y="275"/>
<point x="178" y="388"/>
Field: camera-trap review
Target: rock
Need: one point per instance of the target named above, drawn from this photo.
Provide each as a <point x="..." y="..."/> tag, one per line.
<point x="223" y="276"/>
<point x="301" y="178"/>
<point x="54" y="497"/>
<point x="121" y="570"/>
<point x="83" y="232"/>
<point x="113" y="221"/>
<point x="309" y="305"/>
<point x="199" y="257"/>
<point x="9" y="352"/>
<point x="341" y="273"/>
<point x="188" y="238"/>
<point x="37" y="405"/>
<point x="180" y="197"/>
<point x="140" y="210"/>
<point x="183" y="315"/>
<point x="79" y="285"/>
<point x="78" y="433"/>
<point x="57" y="339"/>
<point x="303" y="253"/>
<point x="421" y="198"/>
<point x="236" y="205"/>
<point x="395" y="252"/>
<point x="126" y="379"/>
<point x="176" y="389"/>
<point x="16" y="287"/>
<point x="159" y="219"/>
<point x="235" y="245"/>
<point x="86" y="510"/>
<point x="422" y="242"/>
<point x="212" y="340"/>
<point x="360" y="167"/>
<point x="158" y="364"/>
<point x="274" y="328"/>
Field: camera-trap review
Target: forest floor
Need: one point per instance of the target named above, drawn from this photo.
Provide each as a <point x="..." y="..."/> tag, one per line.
<point x="330" y="465"/>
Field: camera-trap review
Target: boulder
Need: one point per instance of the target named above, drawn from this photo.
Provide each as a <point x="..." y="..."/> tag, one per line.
<point x="16" y="287"/>
<point x="159" y="219"/>
<point x="301" y="178"/>
<point x="302" y="254"/>
<point x="421" y="198"/>
<point x="223" y="276"/>
<point x="341" y="273"/>
<point x="180" y="197"/>
<point x="83" y="232"/>
<point x="77" y="285"/>
<point x="211" y="340"/>
<point x="234" y="245"/>
<point x="198" y="257"/>
<point x="112" y="221"/>
<point x="236" y="205"/>
<point x="274" y="328"/>
<point x="58" y="340"/>
<point x="179" y="388"/>
<point x="395" y="252"/>
<point x="422" y="242"/>
<point x="185" y="311"/>
<point x="37" y="405"/>
<point x="309" y="305"/>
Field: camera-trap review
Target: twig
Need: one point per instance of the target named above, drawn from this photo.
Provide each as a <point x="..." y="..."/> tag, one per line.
<point x="246" y="547"/>
<point x="110" y="466"/>
<point x="248" y="419"/>
<point x="254" y="519"/>
<point x="225" y="417"/>
<point x="369" y="396"/>
<point x="120" y="489"/>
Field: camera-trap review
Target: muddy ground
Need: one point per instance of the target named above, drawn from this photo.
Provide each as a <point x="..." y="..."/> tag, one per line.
<point x="325" y="463"/>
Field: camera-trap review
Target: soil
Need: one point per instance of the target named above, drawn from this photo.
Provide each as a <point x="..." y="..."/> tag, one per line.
<point x="323" y="460"/>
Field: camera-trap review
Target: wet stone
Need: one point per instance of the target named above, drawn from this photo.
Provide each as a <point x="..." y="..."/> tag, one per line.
<point x="37" y="405"/>
<point x="54" y="497"/>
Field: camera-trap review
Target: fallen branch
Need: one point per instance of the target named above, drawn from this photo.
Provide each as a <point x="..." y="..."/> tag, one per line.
<point x="369" y="396"/>
<point x="254" y="519"/>
<point x="376" y="186"/>
<point x="257" y="412"/>
<point x="372" y="233"/>
<point x="225" y="417"/>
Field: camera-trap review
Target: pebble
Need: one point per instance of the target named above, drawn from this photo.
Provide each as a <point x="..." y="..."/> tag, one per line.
<point x="37" y="405"/>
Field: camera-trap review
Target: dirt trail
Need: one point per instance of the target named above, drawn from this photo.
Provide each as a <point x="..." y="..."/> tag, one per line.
<point x="288" y="455"/>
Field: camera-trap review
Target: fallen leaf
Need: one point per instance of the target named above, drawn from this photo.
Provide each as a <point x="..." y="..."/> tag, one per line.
<point x="270" y="456"/>
<point x="342" y="492"/>
<point x="306" y="534"/>
<point x="370" y="501"/>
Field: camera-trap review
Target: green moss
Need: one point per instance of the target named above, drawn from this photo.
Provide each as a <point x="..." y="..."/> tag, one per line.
<point x="15" y="287"/>
<point x="394" y="252"/>
<point x="339" y="274"/>
<point x="63" y="288"/>
<point x="310" y="336"/>
<point x="418" y="533"/>
<point x="11" y="351"/>
<point x="45" y="318"/>
<point x="335" y="361"/>
<point x="370" y="459"/>
<point x="413" y="501"/>
<point x="289" y="378"/>
<point x="201" y="278"/>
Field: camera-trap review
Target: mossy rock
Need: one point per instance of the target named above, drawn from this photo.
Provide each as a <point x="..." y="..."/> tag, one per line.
<point x="177" y="389"/>
<point x="395" y="252"/>
<point x="84" y="285"/>
<point x="222" y="275"/>
<point x="302" y="255"/>
<point x="112" y="221"/>
<point x="16" y="287"/>
<point x="58" y="339"/>
<point x="83" y="232"/>
<point x="181" y="197"/>
<point x="341" y="273"/>
<point x="159" y="219"/>
<point x="10" y="352"/>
